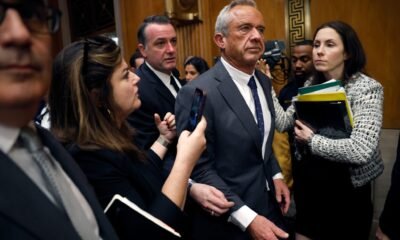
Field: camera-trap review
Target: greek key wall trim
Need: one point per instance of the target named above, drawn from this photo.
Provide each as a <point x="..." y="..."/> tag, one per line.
<point x="298" y="21"/>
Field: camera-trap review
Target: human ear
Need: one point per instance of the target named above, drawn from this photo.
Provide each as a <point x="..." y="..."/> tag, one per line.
<point x="219" y="40"/>
<point x="141" y="48"/>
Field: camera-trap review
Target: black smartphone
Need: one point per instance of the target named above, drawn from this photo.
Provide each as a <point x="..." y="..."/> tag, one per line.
<point x="196" y="111"/>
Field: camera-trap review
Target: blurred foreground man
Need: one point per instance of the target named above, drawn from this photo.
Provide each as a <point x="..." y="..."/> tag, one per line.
<point x="43" y="193"/>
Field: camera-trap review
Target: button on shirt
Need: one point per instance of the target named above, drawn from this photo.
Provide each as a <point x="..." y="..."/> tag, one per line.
<point x="166" y="80"/>
<point x="245" y="215"/>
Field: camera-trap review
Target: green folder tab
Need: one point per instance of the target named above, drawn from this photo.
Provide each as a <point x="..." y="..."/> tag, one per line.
<point x="329" y="86"/>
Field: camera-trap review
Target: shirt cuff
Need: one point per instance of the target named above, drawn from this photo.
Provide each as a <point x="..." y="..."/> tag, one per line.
<point x="278" y="176"/>
<point x="242" y="217"/>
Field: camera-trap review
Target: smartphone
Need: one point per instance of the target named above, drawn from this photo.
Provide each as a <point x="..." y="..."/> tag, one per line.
<point x="196" y="111"/>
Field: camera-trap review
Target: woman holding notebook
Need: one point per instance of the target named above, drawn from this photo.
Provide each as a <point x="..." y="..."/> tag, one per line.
<point x="333" y="173"/>
<point x="92" y="94"/>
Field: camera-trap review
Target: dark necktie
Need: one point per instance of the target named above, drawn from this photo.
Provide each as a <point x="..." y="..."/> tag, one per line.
<point x="257" y="103"/>
<point x="174" y="84"/>
<point x="60" y="188"/>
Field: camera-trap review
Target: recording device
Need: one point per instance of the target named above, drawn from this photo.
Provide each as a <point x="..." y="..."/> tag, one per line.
<point x="273" y="52"/>
<point x="196" y="111"/>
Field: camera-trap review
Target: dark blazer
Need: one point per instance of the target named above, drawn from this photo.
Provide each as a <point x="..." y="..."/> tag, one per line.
<point x="110" y="173"/>
<point x="26" y="213"/>
<point x="155" y="98"/>
<point x="389" y="220"/>
<point x="233" y="162"/>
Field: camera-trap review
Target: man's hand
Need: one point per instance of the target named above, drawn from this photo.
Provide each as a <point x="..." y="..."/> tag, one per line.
<point x="263" y="229"/>
<point x="211" y="199"/>
<point x="167" y="126"/>
<point x="380" y="235"/>
<point x="282" y="195"/>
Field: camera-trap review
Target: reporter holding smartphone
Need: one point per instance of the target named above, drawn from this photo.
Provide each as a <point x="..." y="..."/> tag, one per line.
<point x="93" y="95"/>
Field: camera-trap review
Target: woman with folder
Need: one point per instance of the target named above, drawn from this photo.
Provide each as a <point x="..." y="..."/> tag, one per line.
<point x="333" y="174"/>
<point x="92" y="94"/>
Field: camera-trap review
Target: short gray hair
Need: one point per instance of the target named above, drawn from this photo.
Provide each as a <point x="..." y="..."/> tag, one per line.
<point x="225" y="17"/>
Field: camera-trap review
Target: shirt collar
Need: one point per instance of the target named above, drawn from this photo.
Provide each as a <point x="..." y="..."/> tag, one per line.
<point x="165" y="78"/>
<point x="235" y="73"/>
<point x="8" y="137"/>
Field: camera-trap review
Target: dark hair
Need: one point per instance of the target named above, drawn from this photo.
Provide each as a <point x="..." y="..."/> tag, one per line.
<point x="356" y="59"/>
<point x="132" y="61"/>
<point x="198" y="63"/>
<point x="75" y="118"/>
<point x="155" y="19"/>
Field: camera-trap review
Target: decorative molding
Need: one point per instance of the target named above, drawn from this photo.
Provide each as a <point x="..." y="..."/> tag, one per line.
<point x="182" y="11"/>
<point x="298" y="22"/>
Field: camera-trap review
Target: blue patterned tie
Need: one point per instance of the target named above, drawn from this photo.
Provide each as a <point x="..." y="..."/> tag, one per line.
<point x="257" y="103"/>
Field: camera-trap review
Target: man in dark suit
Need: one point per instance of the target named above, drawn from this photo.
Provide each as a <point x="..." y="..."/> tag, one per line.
<point x="158" y="88"/>
<point x="239" y="159"/>
<point x="32" y="205"/>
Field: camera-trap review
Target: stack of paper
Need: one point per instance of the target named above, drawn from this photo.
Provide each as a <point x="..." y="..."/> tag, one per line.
<point x="328" y="86"/>
<point x="325" y="108"/>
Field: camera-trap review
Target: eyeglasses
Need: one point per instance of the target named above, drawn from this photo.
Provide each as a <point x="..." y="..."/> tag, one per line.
<point x="36" y="17"/>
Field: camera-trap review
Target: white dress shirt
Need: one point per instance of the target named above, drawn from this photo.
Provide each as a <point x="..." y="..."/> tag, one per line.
<point x="166" y="79"/>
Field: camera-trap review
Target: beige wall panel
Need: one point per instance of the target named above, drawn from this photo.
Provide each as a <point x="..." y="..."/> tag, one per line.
<point x="274" y="17"/>
<point x="132" y="14"/>
<point x="376" y="23"/>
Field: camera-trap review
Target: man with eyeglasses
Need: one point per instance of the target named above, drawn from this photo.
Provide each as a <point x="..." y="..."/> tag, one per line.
<point x="43" y="193"/>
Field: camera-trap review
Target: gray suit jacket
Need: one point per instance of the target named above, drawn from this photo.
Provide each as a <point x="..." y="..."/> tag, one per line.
<point x="233" y="162"/>
<point x="26" y="213"/>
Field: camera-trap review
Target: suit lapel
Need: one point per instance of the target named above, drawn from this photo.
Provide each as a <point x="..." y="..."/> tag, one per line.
<point x="157" y="84"/>
<point x="76" y="175"/>
<point x="26" y="205"/>
<point x="235" y="101"/>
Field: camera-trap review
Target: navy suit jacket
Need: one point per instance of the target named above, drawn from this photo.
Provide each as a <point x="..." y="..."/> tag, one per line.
<point x="155" y="98"/>
<point x="26" y="213"/>
<point x="233" y="162"/>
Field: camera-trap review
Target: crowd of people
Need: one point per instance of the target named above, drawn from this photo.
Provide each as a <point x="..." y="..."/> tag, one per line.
<point x="119" y="128"/>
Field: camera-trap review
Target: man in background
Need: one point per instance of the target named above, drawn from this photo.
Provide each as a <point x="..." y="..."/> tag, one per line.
<point x="43" y="193"/>
<point x="301" y="69"/>
<point x="158" y="89"/>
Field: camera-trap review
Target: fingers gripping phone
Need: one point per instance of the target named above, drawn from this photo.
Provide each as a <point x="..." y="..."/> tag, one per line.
<point x="196" y="111"/>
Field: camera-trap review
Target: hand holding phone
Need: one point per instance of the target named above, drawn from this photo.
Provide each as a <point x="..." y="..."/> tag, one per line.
<point x="196" y="111"/>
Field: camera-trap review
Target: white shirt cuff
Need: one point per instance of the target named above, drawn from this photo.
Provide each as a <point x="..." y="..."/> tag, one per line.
<point x="242" y="217"/>
<point x="278" y="176"/>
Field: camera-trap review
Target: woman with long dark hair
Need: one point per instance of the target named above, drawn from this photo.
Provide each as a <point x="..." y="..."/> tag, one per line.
<point x="92" y="94"/>
<point x="333" y="174"/>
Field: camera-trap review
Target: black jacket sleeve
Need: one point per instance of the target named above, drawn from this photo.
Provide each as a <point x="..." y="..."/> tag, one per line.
<point x="113" y="173"/>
